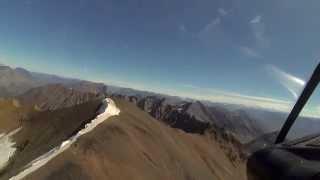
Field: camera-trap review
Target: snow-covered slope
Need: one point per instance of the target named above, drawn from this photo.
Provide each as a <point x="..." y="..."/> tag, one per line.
<point x="107" y="110"/>
<point x="7" y="148"/>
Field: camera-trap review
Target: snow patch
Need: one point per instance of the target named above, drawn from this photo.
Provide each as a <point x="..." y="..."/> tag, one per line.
<point x="7" y="148"/>
<point x="107" y="110"/>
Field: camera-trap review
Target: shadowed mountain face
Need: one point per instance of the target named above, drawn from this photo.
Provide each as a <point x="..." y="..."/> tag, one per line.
<point x="135" y="146"/>
<point x="88" y="87"/>
<point x="57" y="96"/>
<point x="195" y="117"/>
<point x="42" y="131"/>
<point x="15" y="81"/>
<point x="46" y="116"/>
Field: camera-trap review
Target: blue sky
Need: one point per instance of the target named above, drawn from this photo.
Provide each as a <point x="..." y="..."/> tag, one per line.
<point x="220" y="50"/>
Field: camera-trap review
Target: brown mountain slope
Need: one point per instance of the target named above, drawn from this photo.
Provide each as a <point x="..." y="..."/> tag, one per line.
<point x="136" y="146"/>
<point x="11" y="115"/>
<point x="87" y="86"/>
<point x="42" y="131"/>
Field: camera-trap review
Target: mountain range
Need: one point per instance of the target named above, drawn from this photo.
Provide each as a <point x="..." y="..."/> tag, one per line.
<point x="155" y="136"/>
<point x="65" y="92"/>
<point x="16" y="81"/>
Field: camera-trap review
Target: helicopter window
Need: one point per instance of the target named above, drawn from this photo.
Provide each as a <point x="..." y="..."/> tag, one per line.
<point x="308" y="122"/>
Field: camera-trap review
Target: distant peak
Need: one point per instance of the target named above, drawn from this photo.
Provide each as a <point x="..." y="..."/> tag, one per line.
<point x="199" y="102"/>
<point x="20" y="69"/>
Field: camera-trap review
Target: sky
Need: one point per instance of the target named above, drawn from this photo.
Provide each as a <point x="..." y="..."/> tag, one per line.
<point x="258" y="53"/>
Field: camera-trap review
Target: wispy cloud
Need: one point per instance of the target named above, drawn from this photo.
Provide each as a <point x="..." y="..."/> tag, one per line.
<point x="259" y="33"/>
<point x="261" y="41"/>
<point x="215" y="21"/>
<point x="222" y="12"/>
<point x="189" y="86"/>
<point x="259" y="30"/>
<point x="212" y="24"/>
<point x="209" y="28"/>
<point x="292" y="83"/>
<point x="256" y="20"/>
<point x="220" y="96"/>
<point x="183" y="28"/>
<point x="250" y="52"/>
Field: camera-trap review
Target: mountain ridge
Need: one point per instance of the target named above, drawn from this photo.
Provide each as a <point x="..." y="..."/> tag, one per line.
<point x="136" y="146"/>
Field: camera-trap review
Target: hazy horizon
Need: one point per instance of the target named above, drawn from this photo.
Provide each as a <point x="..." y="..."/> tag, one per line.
<point x="220" y="96"/>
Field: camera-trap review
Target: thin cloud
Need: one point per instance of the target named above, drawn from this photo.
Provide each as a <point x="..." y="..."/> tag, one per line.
<point x="222" y="12"/>
<point x="189" y="86"/>
<point x="183" y="28"/>
<point x="235" y="98"/>
<point x="216" y="21"/>
<point x="256" y="20"/>
<point x="212" y="24"/>
<point x="209" y="27"/>
<point x="259" y="31"/>
<point x="259" y="34"/>
<point x="250" y="52"/>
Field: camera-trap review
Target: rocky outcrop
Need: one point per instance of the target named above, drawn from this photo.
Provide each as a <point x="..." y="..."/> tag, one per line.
<point x="195" y="117"/>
